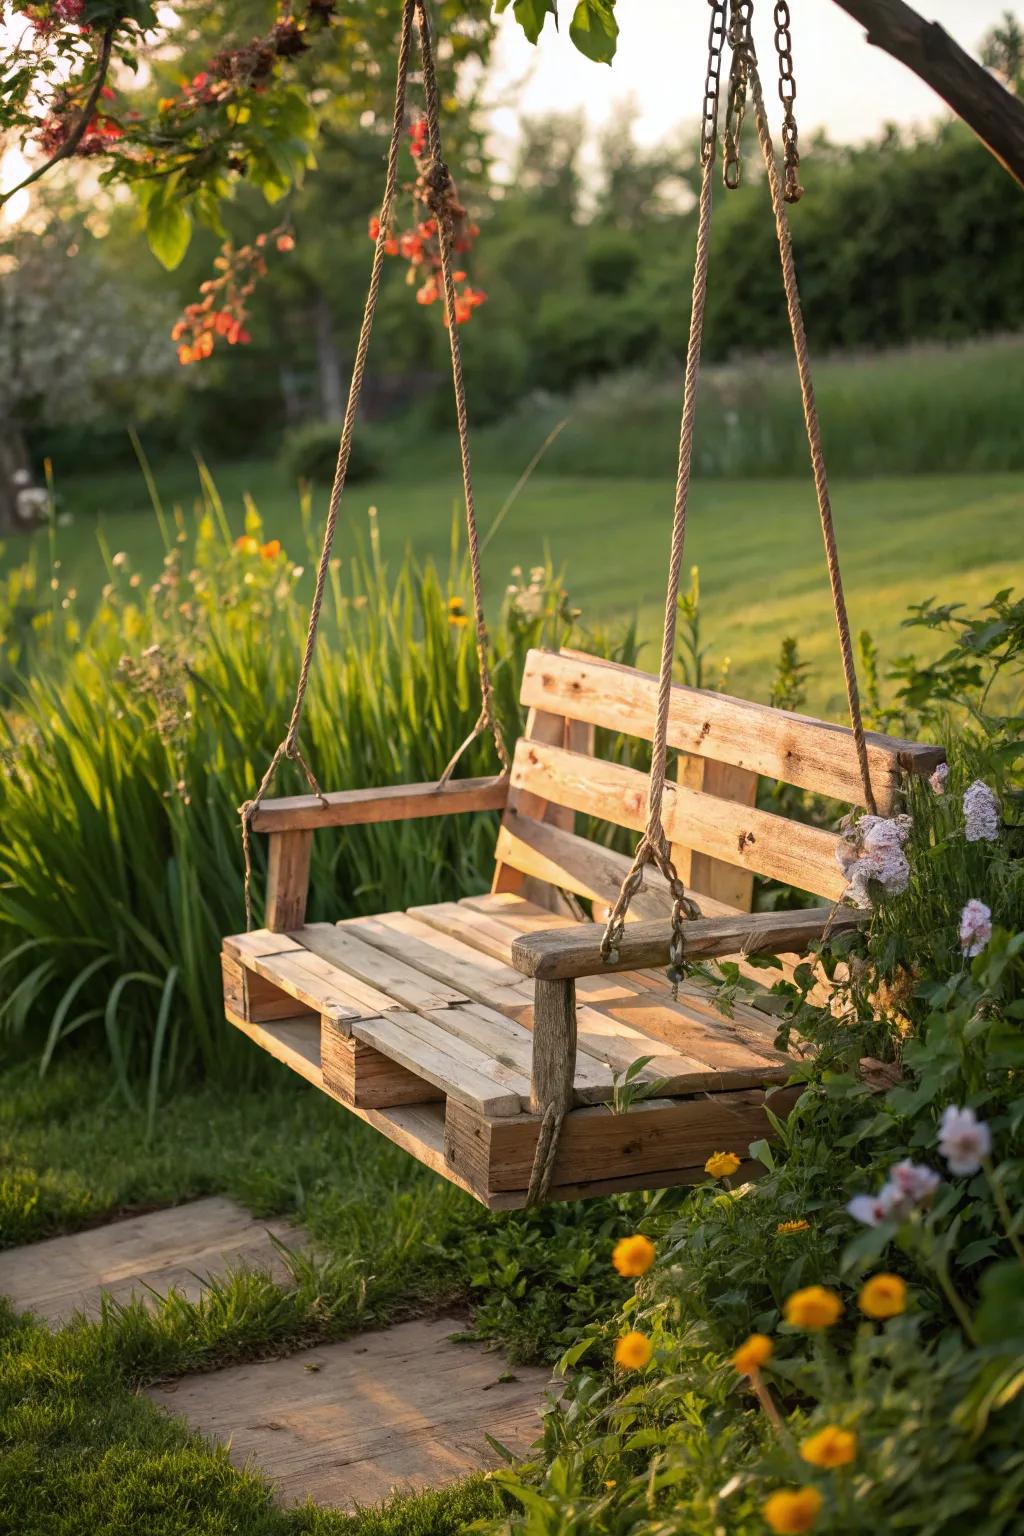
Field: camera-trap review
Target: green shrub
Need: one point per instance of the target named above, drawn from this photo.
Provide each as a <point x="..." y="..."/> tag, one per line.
<point x="310" y="453"/>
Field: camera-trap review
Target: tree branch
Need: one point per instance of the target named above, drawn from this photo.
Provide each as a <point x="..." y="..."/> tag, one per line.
<point x="77" y="133"/>
<point x="994" y="113"/>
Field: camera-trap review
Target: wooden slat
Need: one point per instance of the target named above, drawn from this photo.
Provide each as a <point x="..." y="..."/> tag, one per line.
<point x="656" y="1134"/>
<point x="255" y="998"/>
<point x="397" y="802"/>
<point x="813" y="754"/>
<point x="313" y="982"/>
<point x="287" y="880"/>
<point x="362" y="1076"/>
<point x="401" y="983"/>
<point x="507" y="1041"/>
<point x="770" y="845"/>
<point x="577" y="951"/>
<point x="577" y="865"/>
<point x="700" y="873"/>
<point x="558" y="731"/>
<point x="441" y="1060"/>
<point x="296" y="1042"/>
<point x="435" y="954"/>
<point x="258" y="944"/>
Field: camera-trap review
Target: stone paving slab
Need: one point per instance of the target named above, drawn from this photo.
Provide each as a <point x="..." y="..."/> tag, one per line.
<point x="346" y="1424"/>
<point x="179" y="1247"/>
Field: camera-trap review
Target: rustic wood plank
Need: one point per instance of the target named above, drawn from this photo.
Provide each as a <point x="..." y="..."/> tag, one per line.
<point x="554" y="1047"/>
<point x="363" y="1076"/>
<point x="435" y="954"/>
<point x="396" y="802"/>
<point x="313" y="982"/>
<point x="409" y="1040"/>
<point x="577" y="865"/>
<point x="255" y="997"/>
<point x="813" y="754"/>
<point x="287" y="880"/>
<point x="577" y="952"/>
<point x="510" y="1043"/>
<point x="700" y="873"/>
<point x="259" y="944"/>
<point x="389" y="978"/>
<point x="657" y="1134"/>
<point x="758" y="841"/>
<point x="541" y="725"/>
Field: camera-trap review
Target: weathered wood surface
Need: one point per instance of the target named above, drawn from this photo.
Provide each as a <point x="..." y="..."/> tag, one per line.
<point x="576" y="864"/>
<point x="703" y="875"/>
<point x="287" y="880"/>
<point x="570" y="952"/>
<point x="360" y="807"/>
<point x="360" y="1075"/>
<point x="757" y="841"/>
<point x="177" y="1248"/>
<point x="556" y="730"/>
<point x="656" y="1135"/>
<point x="813" y="754"/>
<point x="346" y="1424"/>
<point x="554" y="1047"/>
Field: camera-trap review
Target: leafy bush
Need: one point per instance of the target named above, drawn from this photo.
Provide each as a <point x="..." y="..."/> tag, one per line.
<point x="840" y="1347"/>
<point x="310" y="453"/>
<point x="141" y="729"/>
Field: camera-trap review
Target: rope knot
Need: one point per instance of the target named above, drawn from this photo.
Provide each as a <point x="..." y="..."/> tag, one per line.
<point x="438" y="184"/>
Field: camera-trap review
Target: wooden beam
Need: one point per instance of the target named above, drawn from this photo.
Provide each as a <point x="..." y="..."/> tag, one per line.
<point x="362" y="807"/>
<point x="813" y="754"/>
<point x="975" y="95"/>
<point x="554" y="1046"/>
<point x="287" y="880"/>
<point x="571" y="952"/>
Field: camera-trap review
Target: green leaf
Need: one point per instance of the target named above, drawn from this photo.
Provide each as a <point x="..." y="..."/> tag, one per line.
<point x="168" y="230"/>
<point x="531" y="14"/>
<point x="594" y="29"/>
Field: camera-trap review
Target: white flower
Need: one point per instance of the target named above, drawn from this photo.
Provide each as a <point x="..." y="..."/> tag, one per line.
<point x="963" y="1140"/>
<point x="880" y="834"/>
<point x="975" y="927"/>
<point x="937" y="781"/>
<point x="872" y="852"/>
<point x="915" y="1181"/>
<point x="981" y="814"/>
<point x="870" y="1210"/>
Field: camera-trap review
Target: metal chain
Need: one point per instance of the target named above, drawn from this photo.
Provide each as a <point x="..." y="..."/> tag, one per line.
<point x="787" y="95"/>
<point x="740" y="16"/>
<point x="712" y="81"/>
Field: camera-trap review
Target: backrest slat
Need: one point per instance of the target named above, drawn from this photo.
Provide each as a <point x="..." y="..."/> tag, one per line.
<point x="812" y="754"/>
<point x="740" y="835"/>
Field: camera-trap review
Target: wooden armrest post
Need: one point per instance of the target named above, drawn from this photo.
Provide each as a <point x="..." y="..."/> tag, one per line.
<point x="287" y="880"/>
<point x="554" y="1046"/>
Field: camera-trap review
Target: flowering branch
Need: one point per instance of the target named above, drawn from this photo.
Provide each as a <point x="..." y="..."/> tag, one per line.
<point x="78" y="132"/>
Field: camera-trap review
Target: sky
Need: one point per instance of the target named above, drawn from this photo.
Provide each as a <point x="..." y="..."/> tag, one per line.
<point x="843" y="84"/>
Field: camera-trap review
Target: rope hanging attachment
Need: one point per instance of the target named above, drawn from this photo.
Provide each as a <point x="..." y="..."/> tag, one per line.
<point x="414" y="13"/>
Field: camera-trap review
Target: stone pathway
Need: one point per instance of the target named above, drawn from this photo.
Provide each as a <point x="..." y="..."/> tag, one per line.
<point x="177" y="1247"/>
<point x="345" y="1424"/>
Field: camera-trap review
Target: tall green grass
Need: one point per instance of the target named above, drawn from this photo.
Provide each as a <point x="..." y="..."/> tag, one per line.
<point x="920" y="410"/>
<point x="138" y="733"/>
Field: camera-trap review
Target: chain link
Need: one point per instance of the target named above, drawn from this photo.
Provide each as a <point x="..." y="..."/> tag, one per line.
<point x="712" y="80"/>
<point x="741" y="43"/>
<point x="787" y="95"/>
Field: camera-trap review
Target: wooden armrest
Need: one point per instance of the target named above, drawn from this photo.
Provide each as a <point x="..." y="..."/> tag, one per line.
<point x="398" y="802"/>
<point x="563" y="953"/>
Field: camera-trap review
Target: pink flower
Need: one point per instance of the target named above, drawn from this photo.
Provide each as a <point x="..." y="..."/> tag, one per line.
<point x="937" y="781"/>
<point x="870" y="1210"/>
<point x="915" y="1181"/>
<point x="975" y="927"/>
<point x="964" y="1140"/>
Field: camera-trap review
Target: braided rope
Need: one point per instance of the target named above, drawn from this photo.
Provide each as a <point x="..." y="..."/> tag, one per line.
<point x="813" y="425"/>
<point x="289" y="747"/>
<point x="653" y="846"/>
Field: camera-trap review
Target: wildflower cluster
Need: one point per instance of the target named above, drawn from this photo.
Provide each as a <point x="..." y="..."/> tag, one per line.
<point x="222" y="311"/>
<point x="871" y="855"/>
<point x="909" y="1186"/>
<point x="420" y="246"/>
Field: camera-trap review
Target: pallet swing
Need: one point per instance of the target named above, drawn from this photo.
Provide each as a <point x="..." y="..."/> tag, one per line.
<point x="489" y="1036"/>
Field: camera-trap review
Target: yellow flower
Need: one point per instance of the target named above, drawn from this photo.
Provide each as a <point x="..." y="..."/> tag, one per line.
<point x="271" y="549"/>
<point x="721" y="1164"/>
<point x="791" y="1511"/>
<point x="883" y="1296"/>
<point x="830" y="1447"/>
<point x="788" y="1227"/>
<point x="609" y="1482"/>
<point x="633" y="1255"/>
<point x="633" y="1351"/>
<point x="247" y="544"/>
<point x="753" y="1353"/>
<point x="814" y="1307"/>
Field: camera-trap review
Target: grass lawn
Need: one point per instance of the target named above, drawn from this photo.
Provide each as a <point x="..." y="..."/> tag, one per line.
<point x="83" y="1452"/>
<point x="757" y="544"/>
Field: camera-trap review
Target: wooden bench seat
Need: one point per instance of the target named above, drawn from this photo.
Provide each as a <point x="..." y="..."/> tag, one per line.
<point x="438" y="1025"/>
